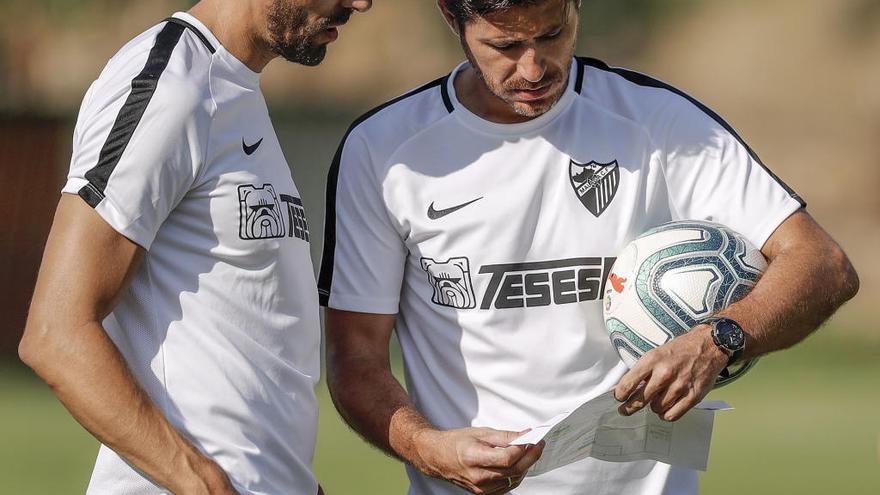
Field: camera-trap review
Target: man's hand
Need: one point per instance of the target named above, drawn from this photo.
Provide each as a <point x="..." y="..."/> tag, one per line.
<point x="674" y="377"/>
<point x="374" y="403"/>
<point x="480" y="460"/>
<point x="807" y="279"/>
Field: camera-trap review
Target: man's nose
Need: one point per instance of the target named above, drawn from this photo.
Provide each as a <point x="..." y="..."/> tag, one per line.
<point x="531" y="65"/>
<point x="358" y="5"/>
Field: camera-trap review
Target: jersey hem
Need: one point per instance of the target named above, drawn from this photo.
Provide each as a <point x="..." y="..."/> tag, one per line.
<point x="113" y="215"/>
<point x="362" y="304"/>
<point x="769" y="225"/>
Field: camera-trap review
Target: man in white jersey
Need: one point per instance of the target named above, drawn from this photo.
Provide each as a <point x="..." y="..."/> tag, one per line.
<point x="478" y="216"/>
<point x="175" y="314"/>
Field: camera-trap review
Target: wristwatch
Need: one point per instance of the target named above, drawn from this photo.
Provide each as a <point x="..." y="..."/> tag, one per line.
<point x="728" y="336"/>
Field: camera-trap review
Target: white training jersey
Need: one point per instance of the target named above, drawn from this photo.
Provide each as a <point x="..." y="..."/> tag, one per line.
<point x="492" y="242"/>
<point x="175" y="150"/>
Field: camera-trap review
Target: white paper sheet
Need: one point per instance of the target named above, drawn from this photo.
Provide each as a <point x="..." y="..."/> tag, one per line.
<point x="596" y="429"/>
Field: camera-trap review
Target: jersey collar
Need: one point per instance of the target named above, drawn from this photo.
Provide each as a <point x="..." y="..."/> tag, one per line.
<point x="478" y="123"/>
<point x="249" y="77"/>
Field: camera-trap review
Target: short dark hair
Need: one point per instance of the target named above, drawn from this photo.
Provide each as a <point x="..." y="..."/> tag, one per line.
<point x="466" y="10"/>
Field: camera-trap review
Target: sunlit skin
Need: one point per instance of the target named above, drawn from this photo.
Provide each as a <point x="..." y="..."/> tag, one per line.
<point x="519" y="66"/>
<point x="258" y="31"/>
<point x="520" y="60"/>
<point x="299" y="31"/>
<point x="87" y="265"/>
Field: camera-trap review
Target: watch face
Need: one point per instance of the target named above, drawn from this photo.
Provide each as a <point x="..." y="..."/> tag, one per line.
<point x="729" y="335"/>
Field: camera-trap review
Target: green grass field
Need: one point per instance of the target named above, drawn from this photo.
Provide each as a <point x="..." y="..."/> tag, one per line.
<point x="806" y="422"/>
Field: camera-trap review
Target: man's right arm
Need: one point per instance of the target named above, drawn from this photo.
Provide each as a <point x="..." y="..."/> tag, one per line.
<point x="374" y="403"/>
<point x="86" y="266"/>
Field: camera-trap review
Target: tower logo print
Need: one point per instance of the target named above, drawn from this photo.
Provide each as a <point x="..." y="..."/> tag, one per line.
<point x="595" y="184"/>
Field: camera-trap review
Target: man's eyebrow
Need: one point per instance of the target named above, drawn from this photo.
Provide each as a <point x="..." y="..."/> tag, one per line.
<point x="508" y="39"/>
<point x="500" y="39"/>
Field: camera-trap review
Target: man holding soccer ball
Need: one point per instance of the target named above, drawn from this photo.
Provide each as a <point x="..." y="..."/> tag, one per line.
<point x="479" y="215"/>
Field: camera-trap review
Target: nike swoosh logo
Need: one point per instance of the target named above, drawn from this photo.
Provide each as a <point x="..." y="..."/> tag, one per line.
<point x="435" y="214"/>
<point x="249" y="150"/>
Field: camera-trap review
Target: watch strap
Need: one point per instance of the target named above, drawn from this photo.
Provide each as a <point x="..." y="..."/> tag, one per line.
<point x="735" y="355"/>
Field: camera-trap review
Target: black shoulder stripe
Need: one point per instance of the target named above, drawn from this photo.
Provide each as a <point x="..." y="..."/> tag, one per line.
<point x="195" y="31"/>
<point x="325" y="277"/>
<point x="143" y="86"/>
<point x="444" y="91"/>
<point x="579" y="82"/>
<point x="647" y="81"/>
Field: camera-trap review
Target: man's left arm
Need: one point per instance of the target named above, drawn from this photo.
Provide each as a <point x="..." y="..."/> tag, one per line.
<point x="808" y="278"/>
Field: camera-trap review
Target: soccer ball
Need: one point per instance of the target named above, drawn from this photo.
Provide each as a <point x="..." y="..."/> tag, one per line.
<point x="670" y="279"/>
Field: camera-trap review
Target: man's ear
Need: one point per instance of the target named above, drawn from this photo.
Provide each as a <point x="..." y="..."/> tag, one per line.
<point x="450" y="19"/>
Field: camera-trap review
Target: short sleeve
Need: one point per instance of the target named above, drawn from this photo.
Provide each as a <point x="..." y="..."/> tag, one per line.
<point x="137" y="151"/>
<point x="713" y="175"/>
<point x="364" y="254"/>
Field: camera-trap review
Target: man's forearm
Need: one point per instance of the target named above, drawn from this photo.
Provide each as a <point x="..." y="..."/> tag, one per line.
<point x="807" y="279"/>
<point x="92" y="380"/>
<point x="373" y="402"/>
<point x="479" y="460"/>
<point x="802" y="287"/>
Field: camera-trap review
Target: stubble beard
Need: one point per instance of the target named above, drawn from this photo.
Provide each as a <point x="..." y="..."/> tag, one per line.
<point x="293" y="38"/>
<point x="498" y="90"/>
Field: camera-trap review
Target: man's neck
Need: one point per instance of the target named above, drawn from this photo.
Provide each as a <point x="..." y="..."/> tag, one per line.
<point x="236" y="26"/>
<point x="472" y="92"/>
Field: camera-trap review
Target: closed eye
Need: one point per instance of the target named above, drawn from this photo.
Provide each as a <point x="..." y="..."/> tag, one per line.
<point x="502" y="46"/>
<point x="551" y="36"/>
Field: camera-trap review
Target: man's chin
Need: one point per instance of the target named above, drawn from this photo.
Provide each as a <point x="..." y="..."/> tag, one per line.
<point x="310" y="57"/>
<point x="535" y="108"/>
<point x="531" y="110"/>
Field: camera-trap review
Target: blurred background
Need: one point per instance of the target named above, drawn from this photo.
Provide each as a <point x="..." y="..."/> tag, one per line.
<point x="800" y="80"/>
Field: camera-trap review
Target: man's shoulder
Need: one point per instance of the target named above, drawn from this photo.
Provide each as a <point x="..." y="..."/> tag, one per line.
<point x="400" y="118"/>
<point x="651" y="103"/>
<point x="167" y="61"/>
<point x="600" y="81"/>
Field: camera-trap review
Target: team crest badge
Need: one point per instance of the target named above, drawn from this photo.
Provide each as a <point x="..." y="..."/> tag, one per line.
<point x="451" y="280"/>
<point x="595" y="184"/>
